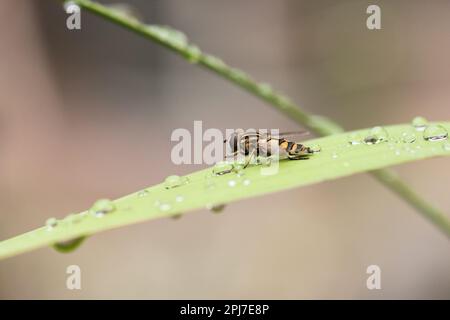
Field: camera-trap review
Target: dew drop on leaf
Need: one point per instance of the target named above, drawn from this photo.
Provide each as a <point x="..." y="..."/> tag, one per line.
<point x="193" y="54"/>
<point x="419" y="123"/>
<point x="51" y="223"/>
<point x="408" y="137"/>
<point x="232" y="183"/>
<point x="102" y="207"/>
<point x="164" y="206"/>
<point x="354" y="139"/>
<point x="435" y="133"/>
<point x="265" y="88"/>
<point x="222" y="167"/>
<point x="376" y="135"/>
<point x="175" y="181"/>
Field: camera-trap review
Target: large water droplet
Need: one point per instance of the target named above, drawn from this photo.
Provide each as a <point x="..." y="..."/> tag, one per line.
<point x="408" y="136"/>
<point x="376" y="135"/>
<point x="69" y="245"/>
<point x="419" y="123"/>
<point x="102" y="207"/>
<point x="51" y="223"/>
<point x="222" y="167"/>
<point x="435" y="133"/>
<point x="175" y="181"/>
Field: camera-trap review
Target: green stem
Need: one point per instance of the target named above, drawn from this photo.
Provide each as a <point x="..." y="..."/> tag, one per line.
<point x="176" y="41"/>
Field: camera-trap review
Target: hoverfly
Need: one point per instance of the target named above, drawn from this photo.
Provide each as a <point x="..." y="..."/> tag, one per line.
<point x="256" y="143"/>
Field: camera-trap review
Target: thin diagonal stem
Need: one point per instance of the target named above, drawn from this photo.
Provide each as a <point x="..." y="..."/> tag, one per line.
<point x="176" y="41"/>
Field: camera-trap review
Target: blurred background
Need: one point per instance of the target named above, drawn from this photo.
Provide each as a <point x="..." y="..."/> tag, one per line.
<point x="88" y="114"/>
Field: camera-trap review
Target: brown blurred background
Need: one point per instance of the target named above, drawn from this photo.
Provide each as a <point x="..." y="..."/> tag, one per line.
<point x="88" y="114"/>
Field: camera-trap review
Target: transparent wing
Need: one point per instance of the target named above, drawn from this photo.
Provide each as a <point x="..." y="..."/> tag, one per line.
<point x="282" y="135"/>
<point x="290" y="134"/>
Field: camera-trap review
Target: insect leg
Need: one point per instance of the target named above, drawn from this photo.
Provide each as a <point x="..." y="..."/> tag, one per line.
<point x="249" y="158"/>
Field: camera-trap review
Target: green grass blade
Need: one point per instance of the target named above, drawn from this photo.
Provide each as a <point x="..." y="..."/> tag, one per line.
<point x="337" y="158"/>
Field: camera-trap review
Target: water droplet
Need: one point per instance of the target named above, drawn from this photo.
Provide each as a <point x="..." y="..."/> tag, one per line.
<point x="102" y="207"/>
<point x="222" y="167"/>
<point x="164" y="206"/>
<point x="446" y="146"/>
<point x="376" y="135"/>
<point x="246" y="182"/>
<point x="193" y="54"/>
<point x="354" y="139"/>
<point x="408" y="136"/>
<point x="265" y="88"/>
<point x="126" y="10"/>
<point x="238" y="75"/>
<point x="51" y="223"/>
<point x="216" y="208"/>
<point x="175" y="181"/>
<point x="142" y="193"/>
<point x="168" y="34"/>
<point x="179" y="198"/>
<point x="231" y="183"/>
<point x="435" y="133"/>
<point x="69" y="245"/>
<point x="315" y="148"/>
<point x="419" y="123"/>
<point x="216" y="62"/>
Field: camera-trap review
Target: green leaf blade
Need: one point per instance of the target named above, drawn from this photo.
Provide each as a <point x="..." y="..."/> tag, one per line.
<point x="337" y="158"/>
